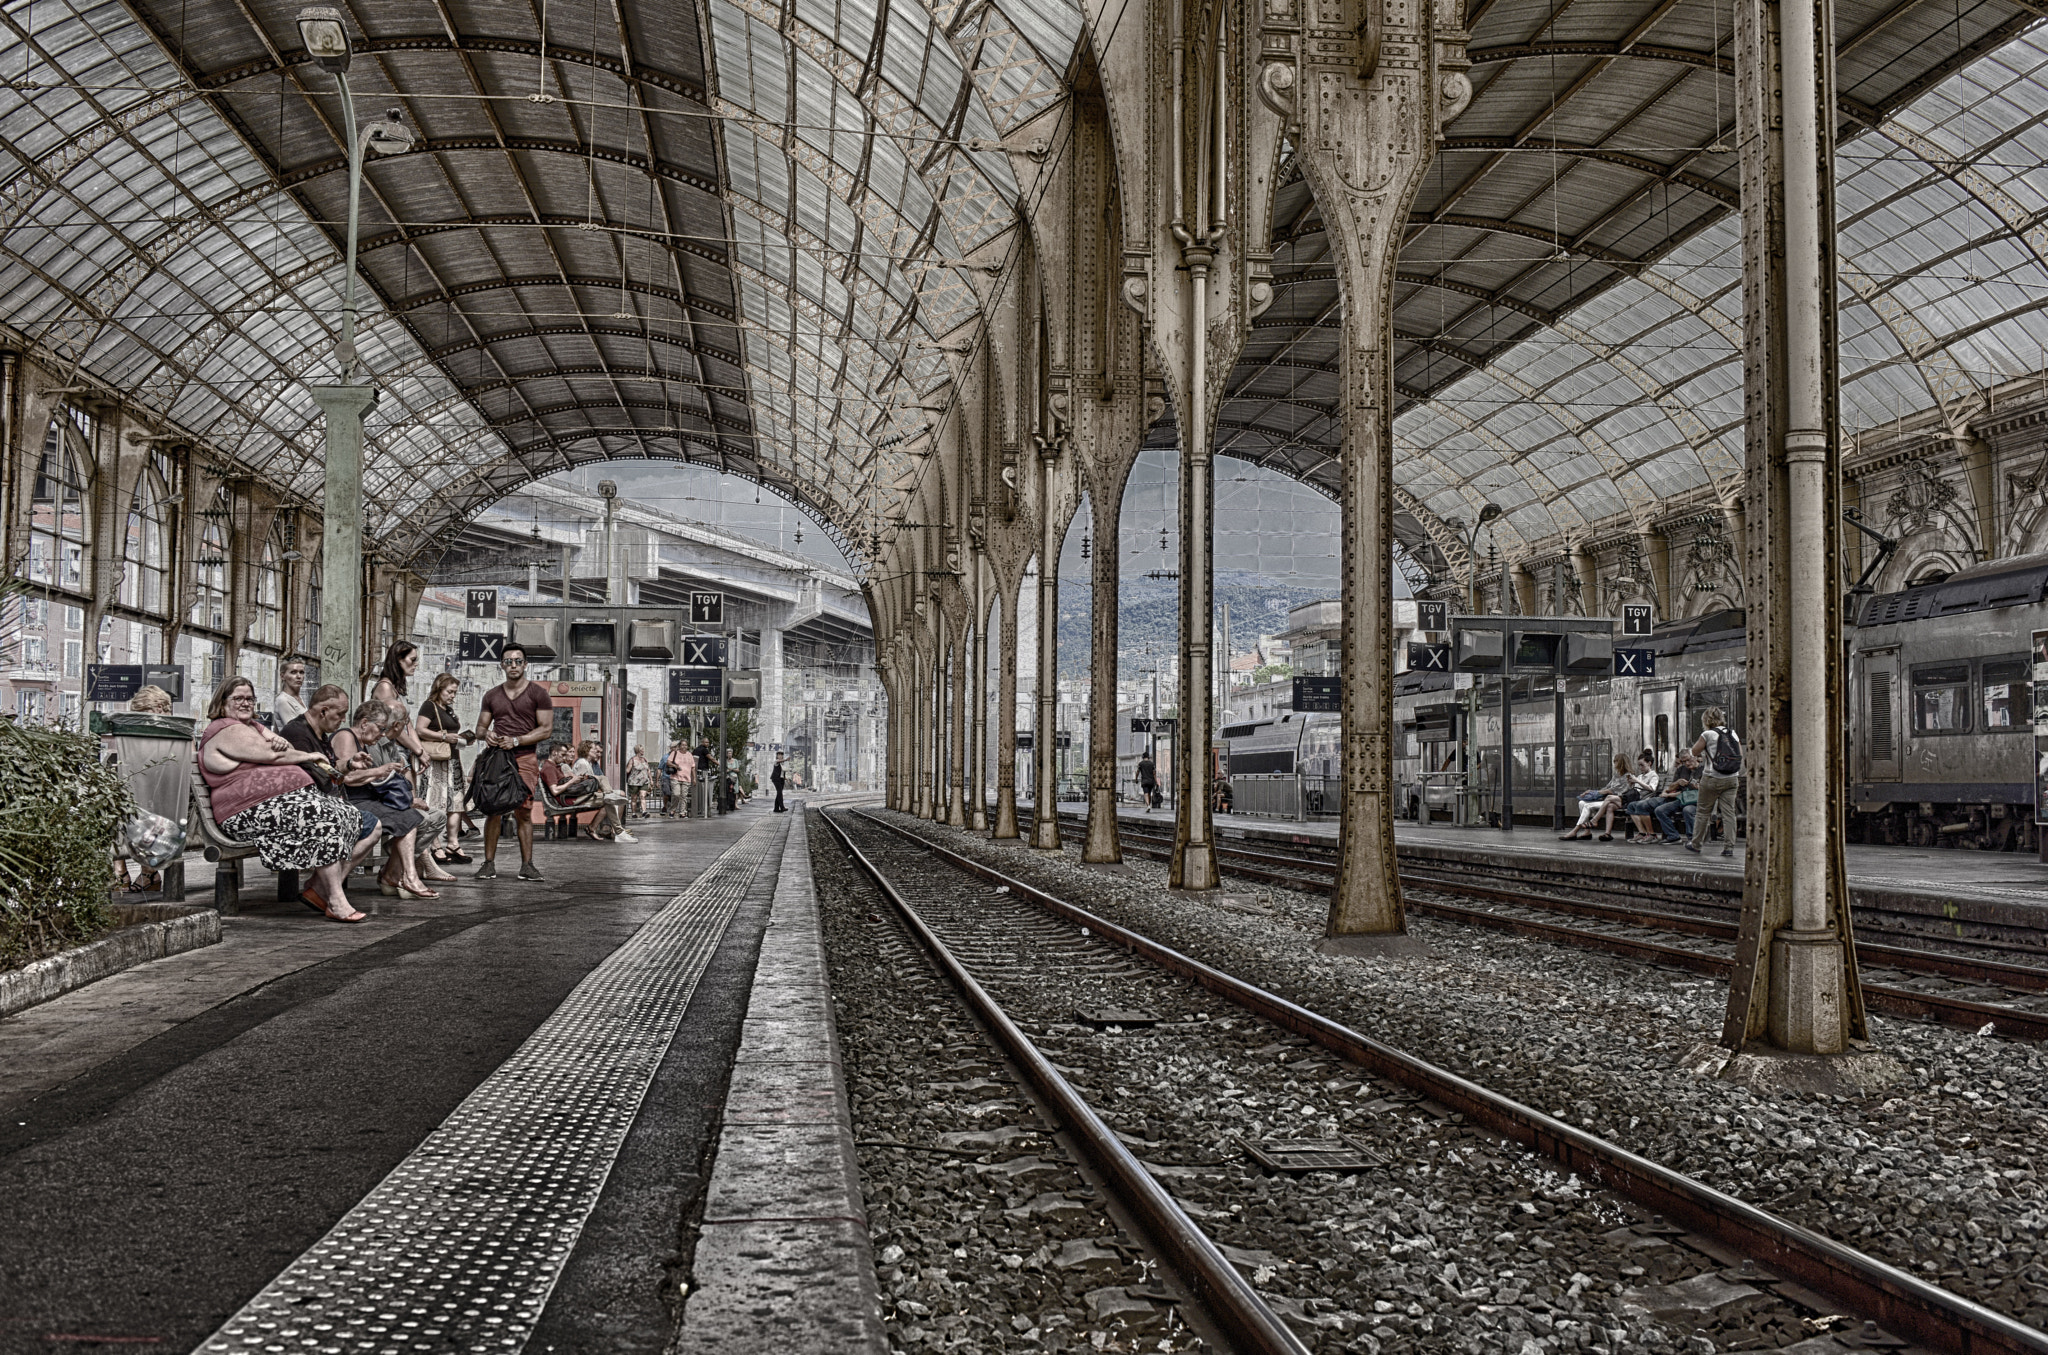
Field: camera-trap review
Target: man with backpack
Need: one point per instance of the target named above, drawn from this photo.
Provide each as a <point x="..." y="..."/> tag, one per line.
<point x="1720" y="755"/>
<point x="1148" y="780"/>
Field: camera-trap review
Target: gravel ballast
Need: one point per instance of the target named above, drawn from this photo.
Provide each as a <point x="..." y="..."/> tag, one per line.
<point x="1936" y="1175"/>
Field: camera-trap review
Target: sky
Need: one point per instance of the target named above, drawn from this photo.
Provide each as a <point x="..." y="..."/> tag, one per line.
<point x="1266" y="523"/>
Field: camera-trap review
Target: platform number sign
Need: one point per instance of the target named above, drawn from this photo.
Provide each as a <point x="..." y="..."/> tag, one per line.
<point x="1429" y="658"/>
<point x="1635" y="618"/>
<point x="481" y="604"/>
<point x="703" y="651"/>
<point x="480" y="647"/>
<point x="707" y="609"/>
<point x="1432" y="616"/>
<point x="1637" y="663"/>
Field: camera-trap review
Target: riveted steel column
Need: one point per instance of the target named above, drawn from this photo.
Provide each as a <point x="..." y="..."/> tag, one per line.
<point x="1194" y="864"/>
<point x="1045" y="826"/>
<point x="977" y="711"/>
<point x="956" y="798"/>
<point x="341" y="532"/>
<point x="1794" y="983"/>
<point x="1106" y="506"/>
<point x="1367" y="136"/>
<point x="1006" y="718"/>
<point x="891" y="732"/>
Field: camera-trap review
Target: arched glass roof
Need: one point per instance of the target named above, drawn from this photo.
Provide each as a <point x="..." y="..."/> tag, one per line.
<point x="617" y="235"/>
<point x="1569" y="310"/>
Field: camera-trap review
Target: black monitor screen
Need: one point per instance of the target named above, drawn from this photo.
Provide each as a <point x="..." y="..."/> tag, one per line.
<point x="593" y="639"/>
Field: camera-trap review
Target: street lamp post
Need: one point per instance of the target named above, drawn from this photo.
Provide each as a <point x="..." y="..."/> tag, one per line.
<point x="344" y="404"/>
<point x="1470" y="755"/>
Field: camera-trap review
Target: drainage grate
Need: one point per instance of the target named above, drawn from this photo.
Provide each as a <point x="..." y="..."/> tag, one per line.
<point x="1295" y="1156"/>
<point x="459" y="1247"/>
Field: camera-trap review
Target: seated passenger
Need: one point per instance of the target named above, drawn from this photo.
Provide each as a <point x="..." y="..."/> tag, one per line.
<point x="1602" y="804"/>
<point x="586" y="784"/>
<point x="262" y="794"/>
<point x="1677" y="803"/>
<point x="1646" y="783"/>
<point x="313" y="731"/>
<point x="382" y="790"/>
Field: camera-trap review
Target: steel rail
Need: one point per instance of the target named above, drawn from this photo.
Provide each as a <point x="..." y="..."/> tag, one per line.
<point x="2011" y="1021"/>
<point x="1899" y="1302"/>
<point x="1191" y="1252"/>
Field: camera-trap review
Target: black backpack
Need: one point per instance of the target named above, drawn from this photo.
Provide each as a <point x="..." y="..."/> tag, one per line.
<point x="1726" y="759"/>
<point x="495" y="786"/>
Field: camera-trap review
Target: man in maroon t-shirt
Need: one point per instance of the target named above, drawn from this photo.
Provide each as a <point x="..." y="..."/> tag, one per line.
<point x="517" y="714"/>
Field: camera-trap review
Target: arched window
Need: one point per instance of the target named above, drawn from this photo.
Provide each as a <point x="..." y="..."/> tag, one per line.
<point x="143" y="563"/>
<point x="266" y="627"/>
<point x="210" y="576"/>
<point x="57" y="523"/>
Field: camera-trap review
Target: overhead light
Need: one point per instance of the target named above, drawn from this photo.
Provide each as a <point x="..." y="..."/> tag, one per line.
<point x="325" y="36"/>
<point x="1489" y="513"/>
<point x="390" y="136"/>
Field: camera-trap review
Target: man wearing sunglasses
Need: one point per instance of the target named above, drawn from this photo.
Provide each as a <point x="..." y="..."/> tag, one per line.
<point x="518" y="715"/>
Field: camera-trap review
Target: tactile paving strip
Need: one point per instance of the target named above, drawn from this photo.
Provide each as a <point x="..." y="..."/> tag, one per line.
<point x="460" y="1246"/>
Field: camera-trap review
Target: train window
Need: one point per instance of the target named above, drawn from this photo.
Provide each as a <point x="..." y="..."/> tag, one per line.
<point x="1941" y="698"/>
<point x="2008" y="693"/>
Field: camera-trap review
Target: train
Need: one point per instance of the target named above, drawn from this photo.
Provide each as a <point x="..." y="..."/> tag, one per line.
<point x="1939" y="687"/>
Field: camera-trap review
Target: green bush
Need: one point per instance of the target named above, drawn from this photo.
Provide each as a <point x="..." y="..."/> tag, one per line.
<point x="60" y="808"/>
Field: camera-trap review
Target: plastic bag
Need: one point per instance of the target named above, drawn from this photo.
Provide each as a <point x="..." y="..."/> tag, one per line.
<point x="152" y="839"/>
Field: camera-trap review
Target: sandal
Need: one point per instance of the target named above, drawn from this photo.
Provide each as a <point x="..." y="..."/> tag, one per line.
<point x="314" y="899"/>
<point x="1607" y="837"/>
<point x="409" y="892"/>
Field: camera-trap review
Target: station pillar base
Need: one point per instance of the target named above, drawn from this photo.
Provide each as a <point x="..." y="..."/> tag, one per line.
<point x="1375" y="945"/>
<point x="1807" y="1008"/>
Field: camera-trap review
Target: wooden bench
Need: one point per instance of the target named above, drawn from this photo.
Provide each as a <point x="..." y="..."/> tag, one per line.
<point x="562" y="818"/>
<point x="227" y="854"/>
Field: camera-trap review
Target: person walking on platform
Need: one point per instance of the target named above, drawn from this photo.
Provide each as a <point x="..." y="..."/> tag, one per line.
<point x="776" y="777"/>
<point x="1148" y="781"/>
<point x="511" y="719"/>
<point x="1720" y="755"/>
<point x="681" y="766"/>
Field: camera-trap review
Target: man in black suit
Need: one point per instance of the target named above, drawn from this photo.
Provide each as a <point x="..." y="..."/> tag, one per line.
<point x="776" y="777"/>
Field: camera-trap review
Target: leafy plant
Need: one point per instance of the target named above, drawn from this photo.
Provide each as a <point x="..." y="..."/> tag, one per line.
<point x="60" y="808"/>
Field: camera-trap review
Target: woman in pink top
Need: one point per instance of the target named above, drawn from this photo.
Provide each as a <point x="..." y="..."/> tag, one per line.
<point x="262" y="794"/>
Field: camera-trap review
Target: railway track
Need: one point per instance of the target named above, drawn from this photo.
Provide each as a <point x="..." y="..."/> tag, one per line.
<point x="1027" y="958"/>
<point x="1964" y="990"/>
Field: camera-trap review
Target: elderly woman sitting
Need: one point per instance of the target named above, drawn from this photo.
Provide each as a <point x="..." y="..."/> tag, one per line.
<point x="262" y="794"/>
<point x="382" y="790"/>
<point x="1597" y="808"/>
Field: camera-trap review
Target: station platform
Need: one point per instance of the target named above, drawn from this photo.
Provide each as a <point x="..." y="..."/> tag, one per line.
<point x="600" y="1112"/>
<point x="1992" y="894"/>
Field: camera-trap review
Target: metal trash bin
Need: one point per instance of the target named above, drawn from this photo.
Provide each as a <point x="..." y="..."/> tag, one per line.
<point x="154" y="754"/>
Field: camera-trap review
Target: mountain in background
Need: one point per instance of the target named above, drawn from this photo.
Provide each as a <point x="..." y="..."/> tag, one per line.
<point x="1149" y="615"/>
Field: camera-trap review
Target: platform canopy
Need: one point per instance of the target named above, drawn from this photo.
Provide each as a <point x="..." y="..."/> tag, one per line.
<point x="1569" y="300"/>
<point x="600" y="246"/>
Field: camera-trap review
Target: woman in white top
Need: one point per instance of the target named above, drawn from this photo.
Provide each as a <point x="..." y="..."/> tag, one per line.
<point x="288" y="705"/>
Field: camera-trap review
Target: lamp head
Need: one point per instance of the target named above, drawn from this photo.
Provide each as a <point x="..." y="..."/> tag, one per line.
<point x="390" y="135"/>
<point x="1489" y="513"/>
<point x="325" y="36"/>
